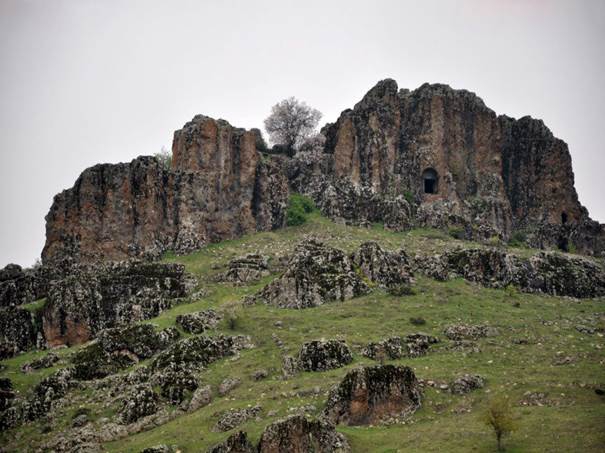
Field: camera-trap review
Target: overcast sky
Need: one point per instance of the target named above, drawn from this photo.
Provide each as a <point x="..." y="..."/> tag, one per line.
<point x="89" y="81"/>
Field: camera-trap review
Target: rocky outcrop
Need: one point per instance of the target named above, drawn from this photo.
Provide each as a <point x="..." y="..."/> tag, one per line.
<point x="316" y="274"/>
<point x="433" y="156"/>
<point x="466" y="384"/>
<point x="93" y="298"/>
<point x="249" y="268"/>
<point x="388" y="269"/>
<point x="297" y="434"/>
<point x="21" y="286"/>
<point x="199" y="351"/>
<point x="233" y="418"/>
<point x="394" y="348"/>
<point x="546" y="272"/>
<point x="218" y="188"/>
<point x="369" y="395"/>
<point x="198" y="322"/>
<point x="141" y="401"/>
<point x="119" y="348"/>
<point x="323" y="355"/>
<point x="18" y="331"/>
<point x="235" y="443"/>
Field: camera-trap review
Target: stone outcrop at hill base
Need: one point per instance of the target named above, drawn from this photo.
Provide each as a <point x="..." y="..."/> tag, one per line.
<point x="434" y="156"/>
<point x="369" y="395"/>
<point x="93" y="298"/>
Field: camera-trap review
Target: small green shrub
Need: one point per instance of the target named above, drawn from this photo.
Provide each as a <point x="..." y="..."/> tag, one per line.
<point x="499" y="417"/>
<point x="299" y="207"/>
<point x="164" y="158"/>
<point x="518" y="239"/>
<point x="402" y="290"/>
<point x="409" y="196"/>
<point x="456" y="232"/>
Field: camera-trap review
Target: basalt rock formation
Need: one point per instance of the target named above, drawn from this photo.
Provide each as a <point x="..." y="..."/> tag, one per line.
<point x="433" y="156"/>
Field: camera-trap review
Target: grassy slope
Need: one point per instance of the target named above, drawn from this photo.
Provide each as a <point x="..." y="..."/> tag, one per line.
<point x="445" y="422"/>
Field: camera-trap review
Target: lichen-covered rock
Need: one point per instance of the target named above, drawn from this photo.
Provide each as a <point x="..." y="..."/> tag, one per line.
<point x="200" y="351"/>
<point x="199" y="322"/>
<point x="233" y="418"/>
<point x="236" y="443"/>
<point x="316" y="274"/>
<point x="227" y="385"/>
<point x="323" y="355"/>
<point x="142" y="401"/>
<point x="385" y="268"/>
<point x="466" y="383"/>
<point x="550" y="273"/>
<point x="393" y="348"/>
<point x="120" y="347"/>
<point x="46" y="361"/>
<point x="297" y="434"/>
<point x="93" y="298"/>
<point x="368" y="395"/>
<point x="201" y="397"/>
<point x="249" y="268"/>
<point x="20" y="286"/>
<point x="175" y="381"/>
<point x="18" y="331"/>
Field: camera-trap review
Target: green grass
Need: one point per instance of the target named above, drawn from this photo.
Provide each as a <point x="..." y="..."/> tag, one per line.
<point x="444" y="422"/>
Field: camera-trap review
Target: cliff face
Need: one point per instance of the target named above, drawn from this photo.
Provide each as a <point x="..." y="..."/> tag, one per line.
<point x="457" y="164"/>
<point x="218" y="188"/>
<point x="433" y="156"/>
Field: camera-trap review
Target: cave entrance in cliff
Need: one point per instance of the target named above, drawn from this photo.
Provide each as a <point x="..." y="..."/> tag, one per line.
<point x="430" y="179"/>
<point x="563" y="218"/>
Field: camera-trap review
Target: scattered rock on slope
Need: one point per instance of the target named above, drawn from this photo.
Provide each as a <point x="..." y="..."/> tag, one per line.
<point x="297" y="434"/>
<point x="235" y="443"/>
<point x="368" y="395"/>
<point x="388" y="269"/>
<point x="249" y="268"/>
<point x="323" y="355"/>
<point x="393" y="348"/>
<point x="198" y="322"/>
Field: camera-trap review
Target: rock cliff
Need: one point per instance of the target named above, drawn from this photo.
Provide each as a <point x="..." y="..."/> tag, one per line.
<point x="219" y="187"/>
<point x="433" y="156"/>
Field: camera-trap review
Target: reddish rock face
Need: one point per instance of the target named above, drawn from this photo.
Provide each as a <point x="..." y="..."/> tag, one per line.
<point x="433" y="156"/>
<point x="218" y="188"/>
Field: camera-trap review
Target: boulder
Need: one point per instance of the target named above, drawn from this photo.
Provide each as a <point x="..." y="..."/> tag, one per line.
<point x="201" y="397"/>
<point x="198" y="322"/>
<point x="236" y="443"/>
<point x="297" y="434"/>
<point x="235" y="417"/>
<point x="247" y="269"/>
<point x="368" y="395"/>
<point x="316" y="274"/>
<point x="46" y="361"/>
<point x="393" y="348"/>
<point x="227" y="385"/>
<point x="323" y="355"/>
<point x="385" y="268"/>
<point x="141" y="401"/>
<point x="466" y="384"/>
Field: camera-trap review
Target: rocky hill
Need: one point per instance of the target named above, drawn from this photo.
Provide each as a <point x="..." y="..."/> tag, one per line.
<point x="433" y="156"/>
<point x="442" y="259"/>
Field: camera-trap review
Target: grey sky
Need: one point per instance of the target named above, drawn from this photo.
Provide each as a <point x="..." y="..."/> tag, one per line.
<point x="89" y="81"/>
